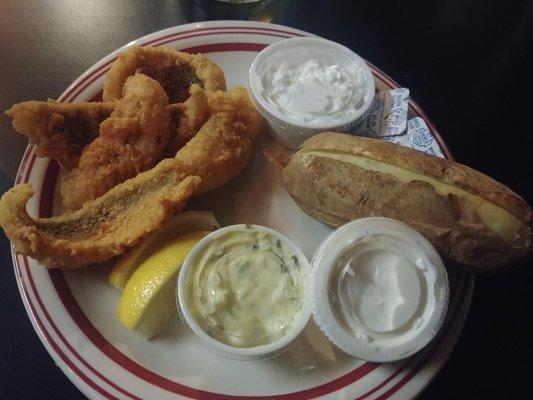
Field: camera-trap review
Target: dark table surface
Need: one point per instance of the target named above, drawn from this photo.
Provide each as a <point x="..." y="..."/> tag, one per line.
<point x="468" y="63"/>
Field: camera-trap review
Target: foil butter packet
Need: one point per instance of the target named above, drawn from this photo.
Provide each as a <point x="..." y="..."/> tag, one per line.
<point x="387" y="119"/>
<point x="387" y="115"/>
<point x="419" y="137"/>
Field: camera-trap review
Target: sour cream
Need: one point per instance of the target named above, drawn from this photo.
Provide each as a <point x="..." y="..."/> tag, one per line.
<point x="376" y="285"/>
<point x="315" y="91"/>
<point x="246" y="287"/>
<point x="380" y="289"/>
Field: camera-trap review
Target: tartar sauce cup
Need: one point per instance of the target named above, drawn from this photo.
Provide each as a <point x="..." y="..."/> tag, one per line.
<point x="304" y="86"/>
<point x="380" y="289"/>
<point x="244" y="292"/>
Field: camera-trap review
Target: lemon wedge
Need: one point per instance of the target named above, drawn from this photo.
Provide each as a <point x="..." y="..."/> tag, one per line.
<point x="147" y="300"/>
<point x="185" y="222"/>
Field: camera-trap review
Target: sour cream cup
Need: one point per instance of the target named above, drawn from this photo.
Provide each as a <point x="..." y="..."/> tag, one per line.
<point x="192" y="318"/>
<point x="380" y="289"/>
<point x="288" y="129"/>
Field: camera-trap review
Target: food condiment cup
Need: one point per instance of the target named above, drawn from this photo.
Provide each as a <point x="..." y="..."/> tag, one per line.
<point x="244" y="292"/>
<point x="380" y="289"/>
<point x="304" y="86"/>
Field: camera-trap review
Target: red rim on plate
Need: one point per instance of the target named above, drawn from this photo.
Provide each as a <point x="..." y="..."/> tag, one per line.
<point x="21" y="263"/>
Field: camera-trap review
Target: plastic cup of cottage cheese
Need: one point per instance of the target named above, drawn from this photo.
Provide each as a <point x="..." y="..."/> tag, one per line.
<point x="380" y="289"/>
<point x="304" y="86"/>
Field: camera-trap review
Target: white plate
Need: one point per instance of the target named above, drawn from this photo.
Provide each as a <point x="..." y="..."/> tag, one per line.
<point x="74" y="312"/>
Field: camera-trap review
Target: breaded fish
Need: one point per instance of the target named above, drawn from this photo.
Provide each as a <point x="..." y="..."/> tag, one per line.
<point x="176" y="71"/>
<point x="59" y="130"/>
<point x="107" y="226"/>
<point x="104" y="227"/>
<point x="186" y="119"/>
<point x="131" y="140"/>
<point x="222" y="146"/>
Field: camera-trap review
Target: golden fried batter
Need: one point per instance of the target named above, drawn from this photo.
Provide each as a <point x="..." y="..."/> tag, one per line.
<point x="106" y="226"/>
<point x="59" y="130"/>
<point x="131" y="140"/>
<point x="186" y="119"/>
<point x="222" y="147"/>
<point x="176" y="71"/>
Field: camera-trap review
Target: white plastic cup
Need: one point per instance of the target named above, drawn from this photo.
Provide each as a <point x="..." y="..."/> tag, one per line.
<point x="285" y="131"/>
<point x="367" y="343"/>
<point x="244" y="353"/>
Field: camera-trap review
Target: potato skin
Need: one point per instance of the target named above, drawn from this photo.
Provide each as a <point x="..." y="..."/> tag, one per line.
<point x="336" y="192"/>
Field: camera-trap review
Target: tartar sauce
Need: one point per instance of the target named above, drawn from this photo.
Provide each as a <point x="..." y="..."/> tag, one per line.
<point x="314" y="91"/>
<point x="245" y="288"/>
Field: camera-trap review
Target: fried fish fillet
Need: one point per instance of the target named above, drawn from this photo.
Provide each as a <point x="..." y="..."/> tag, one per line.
<point x="62" y="130"/>
<point x="104" y="227"/>
<point x="176" y="71"/>
<point x="59" y="130"/>
<point x="186" y="119"/>
<point x="107" y="226"/>
<point x="131" y="141"/>
<point x="222" y="146"/>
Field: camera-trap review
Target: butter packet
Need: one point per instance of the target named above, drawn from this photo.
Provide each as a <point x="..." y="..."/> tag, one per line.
<point x="419" y="137"/>
<point x="387" y="115"/>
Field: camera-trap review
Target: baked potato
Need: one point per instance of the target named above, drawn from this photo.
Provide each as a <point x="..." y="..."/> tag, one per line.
<point x="468" y="216"/>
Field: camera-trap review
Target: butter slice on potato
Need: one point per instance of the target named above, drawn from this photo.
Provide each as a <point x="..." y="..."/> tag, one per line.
<point x="468" y="216"/>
